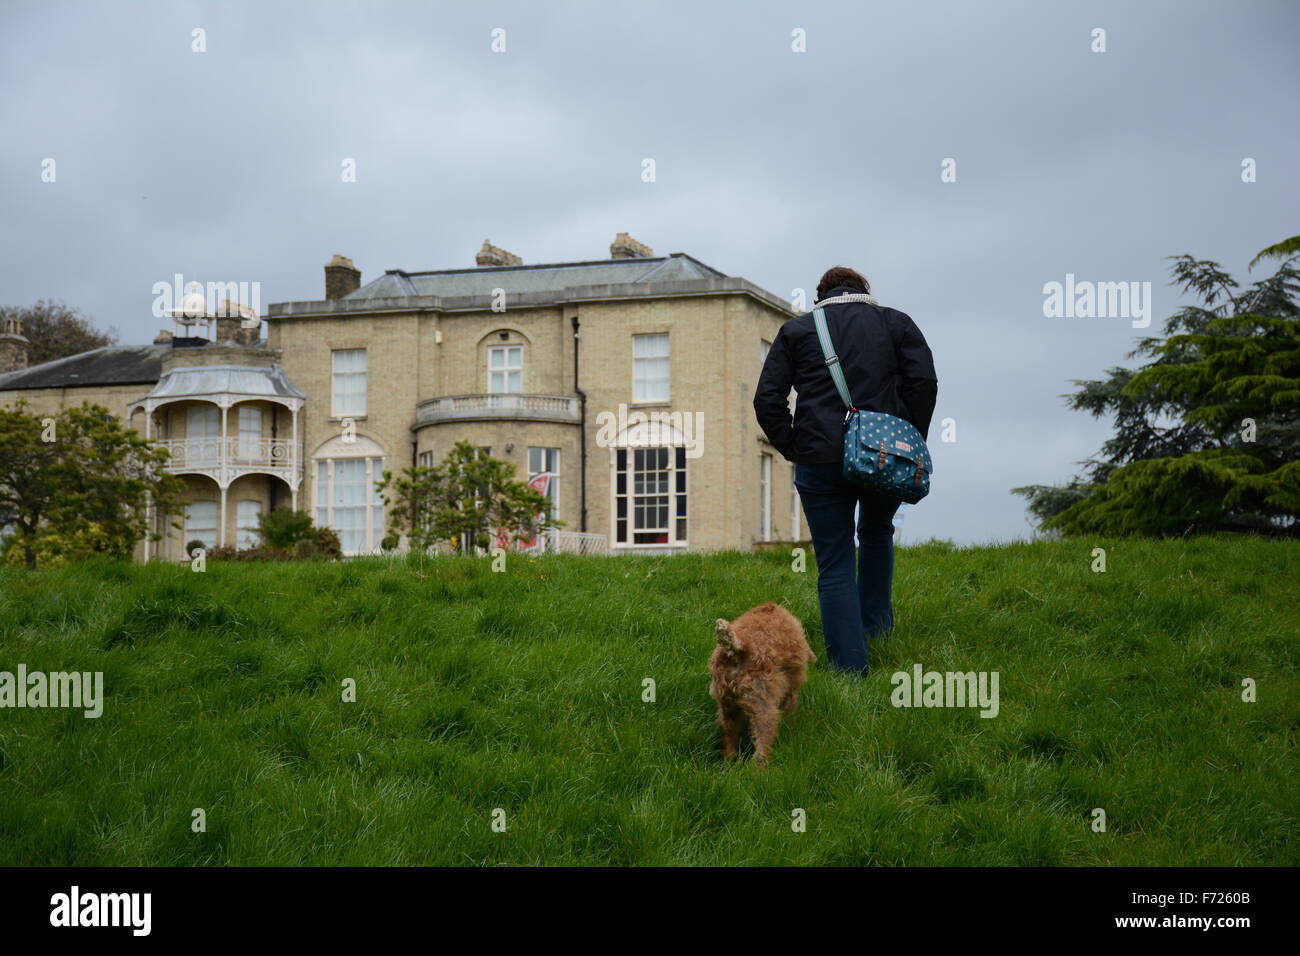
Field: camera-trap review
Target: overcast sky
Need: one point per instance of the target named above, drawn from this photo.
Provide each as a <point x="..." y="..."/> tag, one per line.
<point x="771" y="164"/>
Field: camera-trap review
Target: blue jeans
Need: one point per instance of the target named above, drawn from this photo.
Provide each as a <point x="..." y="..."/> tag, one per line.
<point x="853" y="612"/>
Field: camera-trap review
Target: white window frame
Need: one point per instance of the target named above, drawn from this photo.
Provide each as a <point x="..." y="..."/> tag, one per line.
<point x="192" y="532"/>
<point x="506" y="369"/>
<point x="197" y="444"/>
<point x="349" y="402"/>
<point x="678" y="498"/>
<point x="765" y="497"/>
<point x="323" y="505"/>
<point x="552" y="486"/>
<point x="246" y="535"/>
<point x="651" y="367"/>
<point x="796" y="507"/>
<point x="250" y="439"/>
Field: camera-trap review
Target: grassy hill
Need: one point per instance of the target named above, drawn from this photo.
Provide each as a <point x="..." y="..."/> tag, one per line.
<point x="522" y="691"/>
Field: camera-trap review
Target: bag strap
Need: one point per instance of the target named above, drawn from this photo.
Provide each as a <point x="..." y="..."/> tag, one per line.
<point x="832" y="360"/>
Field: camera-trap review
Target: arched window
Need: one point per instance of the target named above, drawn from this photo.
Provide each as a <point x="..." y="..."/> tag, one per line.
<point x="345" y="495"/>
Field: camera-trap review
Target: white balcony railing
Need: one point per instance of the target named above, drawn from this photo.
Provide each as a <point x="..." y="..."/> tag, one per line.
<point x="235" y="451"/>
<point x="499" y="405"/>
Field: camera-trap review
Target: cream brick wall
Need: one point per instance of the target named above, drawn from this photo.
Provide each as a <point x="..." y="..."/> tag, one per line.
<point x="393" y="375"/>
<point x="49" y="401"/>
<point x="714" y="362"/>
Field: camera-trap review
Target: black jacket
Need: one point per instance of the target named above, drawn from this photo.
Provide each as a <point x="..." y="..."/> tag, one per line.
<point x="886" y="363"/>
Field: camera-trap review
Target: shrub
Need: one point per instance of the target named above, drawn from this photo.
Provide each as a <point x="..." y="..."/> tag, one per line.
<point x="323" y="543"/>
<point x="284" y="528"/>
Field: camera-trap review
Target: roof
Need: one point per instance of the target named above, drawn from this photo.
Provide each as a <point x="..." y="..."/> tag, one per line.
<point x="552" y="277"/>
<point x="225" y="379"/>
<point x="109" y="365"/>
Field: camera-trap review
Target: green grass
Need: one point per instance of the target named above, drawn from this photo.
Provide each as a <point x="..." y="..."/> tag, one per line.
<point x="523" y="691"/>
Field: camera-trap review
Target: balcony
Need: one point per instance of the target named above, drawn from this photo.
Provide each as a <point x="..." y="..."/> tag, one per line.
<point x="228" y="458"/>
<point x="507" y="406"/>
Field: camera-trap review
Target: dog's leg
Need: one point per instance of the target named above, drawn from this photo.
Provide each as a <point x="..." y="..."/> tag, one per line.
<point x="796" y="679"/>
<point x="763" y="724"/>
<point x="729" y="718"/>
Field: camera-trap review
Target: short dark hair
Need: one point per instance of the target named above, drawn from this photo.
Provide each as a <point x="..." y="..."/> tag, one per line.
<point x="841" y="275"/>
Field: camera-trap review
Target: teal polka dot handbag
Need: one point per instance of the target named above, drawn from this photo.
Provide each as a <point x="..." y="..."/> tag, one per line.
<point x="880" y="451"/>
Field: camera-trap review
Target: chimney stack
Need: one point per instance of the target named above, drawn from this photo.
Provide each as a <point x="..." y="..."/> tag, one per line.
<point x="230" y="324"/>
<point x="14" y="346"/>
<point x="341" y="277"/>
<point x="490" y="255"/>
<point x="625" y="247"/>
<point x="227" y="322"/>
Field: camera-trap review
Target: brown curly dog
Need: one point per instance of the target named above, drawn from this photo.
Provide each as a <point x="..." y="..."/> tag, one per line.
<point x="757" y="668"/>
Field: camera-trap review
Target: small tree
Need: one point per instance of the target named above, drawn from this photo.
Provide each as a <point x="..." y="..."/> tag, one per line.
<point x="77" y="484"/>
<point x="464" y="499"/>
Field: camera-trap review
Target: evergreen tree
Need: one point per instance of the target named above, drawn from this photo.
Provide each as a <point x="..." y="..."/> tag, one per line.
<point x="1208" y="430"/>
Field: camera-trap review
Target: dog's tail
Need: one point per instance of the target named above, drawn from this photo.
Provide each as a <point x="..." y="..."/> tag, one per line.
<point x="727" y="636"/>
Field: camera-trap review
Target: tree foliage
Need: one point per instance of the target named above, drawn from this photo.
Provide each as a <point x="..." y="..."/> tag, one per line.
<point x="55" y="330"/>
<point x="467" y="500"/>
<point x="77" y="484"/>
<point x="1207" y="431"/>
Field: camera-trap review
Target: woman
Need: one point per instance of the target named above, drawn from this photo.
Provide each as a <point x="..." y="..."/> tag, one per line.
<point x="889" y="369"/>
